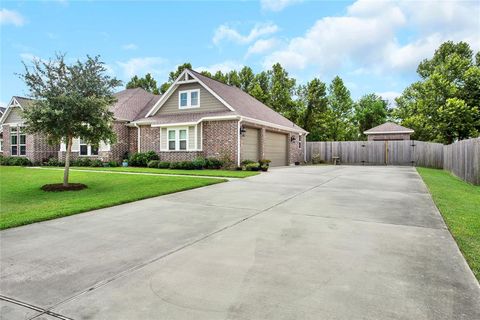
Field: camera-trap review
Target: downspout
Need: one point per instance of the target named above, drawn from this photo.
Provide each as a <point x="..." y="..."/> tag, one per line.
<point x="138" y="136"/>
<point x="305" y="147"/>
<point x="238" y="142"/>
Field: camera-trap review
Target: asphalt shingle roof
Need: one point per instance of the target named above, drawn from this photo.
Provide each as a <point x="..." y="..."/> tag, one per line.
<point x="388" y="127"/>
<point x="244" y="104"/>
<point x="131" y="103"/>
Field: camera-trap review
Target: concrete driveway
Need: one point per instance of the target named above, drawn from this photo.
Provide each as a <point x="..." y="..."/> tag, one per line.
<point x="295" y="243"/>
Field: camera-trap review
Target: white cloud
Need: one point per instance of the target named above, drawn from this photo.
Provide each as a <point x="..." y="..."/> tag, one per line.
<point x="11" y="17"/>
<point x="143" y="65"/>
<point x="390" y="96"/>
<point x="277" y="5"/>
<point x="130" y="46"/>
<point x="225" y="67"/>
<point x="28" y="57"/>
<point x="367" y="37"/>
<point x="224" y="32"/>
<point x="262" y="46"/>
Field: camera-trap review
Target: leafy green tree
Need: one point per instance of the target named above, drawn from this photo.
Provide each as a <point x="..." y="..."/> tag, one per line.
<point x="148" y="83"/>
<point x="456" y="120"/>
<point x="233" y="79"/>
<point x="314" y="100"/>
<point x="246" y="77"/>
<point x="173" y="76"/>
<point x="260" y="87"/>
<point x="449" y="76"/>
<point x="70" y="101"/>
<point x="370" y="111"/>
<point x="340" y="106"/>
<point x="282" y="89"/>
<point x="219" y="76"/>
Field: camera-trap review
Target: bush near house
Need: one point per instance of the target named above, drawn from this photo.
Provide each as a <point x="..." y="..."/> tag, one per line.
<point x="141" y="159"/>
<point x="14" y="161"/>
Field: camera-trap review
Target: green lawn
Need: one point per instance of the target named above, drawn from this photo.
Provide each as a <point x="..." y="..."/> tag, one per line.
<point x="22" y="202"/>
<point x="459" y="203"/>
<point x="207" y="173"/>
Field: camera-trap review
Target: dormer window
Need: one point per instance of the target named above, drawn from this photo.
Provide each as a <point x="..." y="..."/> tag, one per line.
<point x="189" y="99"/>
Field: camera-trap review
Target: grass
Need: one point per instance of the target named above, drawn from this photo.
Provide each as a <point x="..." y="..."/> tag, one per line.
<point x="22" y="202"/>
<point x="459" y="203"/>
<point x="205" y="172"/>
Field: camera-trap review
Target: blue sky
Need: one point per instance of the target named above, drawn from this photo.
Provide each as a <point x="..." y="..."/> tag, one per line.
<point x="374" y="46"/>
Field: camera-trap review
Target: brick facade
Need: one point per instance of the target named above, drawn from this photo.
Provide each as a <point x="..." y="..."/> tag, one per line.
<point x="220" y="139"/>
<point x="37" y="147"/>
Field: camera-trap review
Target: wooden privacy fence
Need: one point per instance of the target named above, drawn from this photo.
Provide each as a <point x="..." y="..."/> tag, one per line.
<point x="461" y="158"/>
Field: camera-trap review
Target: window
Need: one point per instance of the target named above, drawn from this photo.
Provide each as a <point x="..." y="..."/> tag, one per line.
<point x="177" y="139"/>
<point x="189" y="99"/>
<point x="171" y="139"/>
<point x="23" y="142"/>
<point x="87" y="150"/>
<point x="13" y="141"/>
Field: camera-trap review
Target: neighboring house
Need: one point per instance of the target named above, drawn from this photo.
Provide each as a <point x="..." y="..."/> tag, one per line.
<point x="15" y="141"/>
<point x="197" y="116"/>
<point x="388" y="131"/>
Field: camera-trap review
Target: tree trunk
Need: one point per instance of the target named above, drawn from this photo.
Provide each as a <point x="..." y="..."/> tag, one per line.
<point x="67" y="161"/>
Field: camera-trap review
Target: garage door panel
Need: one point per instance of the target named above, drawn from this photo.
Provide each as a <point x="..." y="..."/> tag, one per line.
<point x="276" y="148"/>
<point x="250" y="147"/>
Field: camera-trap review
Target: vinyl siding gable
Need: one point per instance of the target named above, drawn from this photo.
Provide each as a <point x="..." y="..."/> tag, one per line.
<point x="208" y="103"/>
<point x="14" y="115"/>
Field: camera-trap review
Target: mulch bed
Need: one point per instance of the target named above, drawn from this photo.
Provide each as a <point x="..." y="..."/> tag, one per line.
<point x="60" y="187"/>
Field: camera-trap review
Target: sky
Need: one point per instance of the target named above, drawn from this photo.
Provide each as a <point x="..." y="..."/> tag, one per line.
<point x="374" y="46"/>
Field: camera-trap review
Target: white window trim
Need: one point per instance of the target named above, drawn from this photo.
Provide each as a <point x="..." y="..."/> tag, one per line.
<point x="177" y="138"/>
<point x="19" y="131"/>
<point x="189" y="99"/>
<point x="89" y="150"/>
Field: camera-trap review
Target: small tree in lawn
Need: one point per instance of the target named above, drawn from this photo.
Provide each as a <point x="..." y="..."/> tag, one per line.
<point x="70" y="101"/>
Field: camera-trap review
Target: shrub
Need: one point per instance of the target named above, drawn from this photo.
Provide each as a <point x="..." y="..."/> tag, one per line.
<point x="53" y="162"/>
<point x="265" y="162"/>
<point x="264" y="167"/>
<point x="164" y="165"/>
<point x="113" y="164"/>
<point x="141" y="159"/>
<point x="182" y="165"/>
<point x="15" y="161"/>
<point x="317" y="159"/>
<point x="82" y="162"/>
<point x="199" y="163"/>
<point x="213" y="163"/>
<point x="96" y="163"/>
<point x="153" y="163"/>
<point x="245" y="162"/>
<point x="252" y="166"/>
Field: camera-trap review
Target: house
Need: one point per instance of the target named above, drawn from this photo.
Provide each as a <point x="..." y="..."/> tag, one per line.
<point x="388" y="131"/>
<point x="197" y="116"/>
<point x="18" y="143"/>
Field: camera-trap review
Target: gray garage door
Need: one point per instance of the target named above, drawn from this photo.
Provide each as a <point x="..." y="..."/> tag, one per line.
<point x="250" y="144"/>
<point x="276" y="148"/>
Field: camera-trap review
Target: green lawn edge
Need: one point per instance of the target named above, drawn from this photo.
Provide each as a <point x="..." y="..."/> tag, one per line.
<point x="199" y="173"/>
<point x="459" y="204"/>
<point x="23" y="212"/>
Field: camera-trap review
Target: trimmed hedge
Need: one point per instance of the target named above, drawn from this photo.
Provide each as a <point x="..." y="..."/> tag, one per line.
<point x="141" y="159"/>
<point x="14" y="161"/>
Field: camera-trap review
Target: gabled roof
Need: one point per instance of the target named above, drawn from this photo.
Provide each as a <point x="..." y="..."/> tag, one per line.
<point x="131" y="102"/>
<point x="239" y="102"/>
<point x="2" y="110"/>
<point x="388" y="127"/>
<point x="15" y="102"/>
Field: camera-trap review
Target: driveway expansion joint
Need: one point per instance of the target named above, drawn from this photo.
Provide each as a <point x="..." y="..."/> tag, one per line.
<point x="34" y="308"/>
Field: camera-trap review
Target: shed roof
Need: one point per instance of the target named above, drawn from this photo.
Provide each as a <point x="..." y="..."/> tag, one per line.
<point x="388" y="127"/>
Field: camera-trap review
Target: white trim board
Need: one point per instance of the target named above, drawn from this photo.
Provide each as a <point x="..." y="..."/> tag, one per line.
<point x="174" y="86"/>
